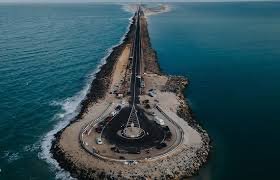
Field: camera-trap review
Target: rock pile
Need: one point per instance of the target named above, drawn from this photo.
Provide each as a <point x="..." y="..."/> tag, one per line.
<point x="149" y="54"/>
<point x="175" y="84"/>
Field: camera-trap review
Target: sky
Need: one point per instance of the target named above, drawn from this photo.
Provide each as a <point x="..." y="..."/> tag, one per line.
<point x="82" y="1"/>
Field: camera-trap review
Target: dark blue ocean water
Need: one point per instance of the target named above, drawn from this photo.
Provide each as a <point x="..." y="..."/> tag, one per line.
<point x="47" y="56"/>
<point x="231" y="54"/>
<point x="229" y="51"/>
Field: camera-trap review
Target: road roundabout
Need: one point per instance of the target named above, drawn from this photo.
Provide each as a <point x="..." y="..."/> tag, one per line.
<point x="107" y="137"/>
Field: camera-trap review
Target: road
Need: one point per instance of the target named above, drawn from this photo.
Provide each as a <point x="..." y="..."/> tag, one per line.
<point x="136" y="82"/>
<point x="154" y="134"/>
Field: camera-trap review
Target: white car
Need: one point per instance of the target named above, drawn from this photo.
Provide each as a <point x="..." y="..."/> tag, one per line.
<point x="99" y="141"/>
<point x="113" y="113"/>
<point x="152" y="94"/>
<point x="159" y="121"/>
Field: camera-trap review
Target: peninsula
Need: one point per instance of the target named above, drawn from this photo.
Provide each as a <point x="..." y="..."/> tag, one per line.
<point x="134" y="122"/>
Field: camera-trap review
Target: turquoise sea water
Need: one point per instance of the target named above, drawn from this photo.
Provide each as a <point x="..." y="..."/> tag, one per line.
<point x="47" y="56"/>
<point x="229" y="51"/>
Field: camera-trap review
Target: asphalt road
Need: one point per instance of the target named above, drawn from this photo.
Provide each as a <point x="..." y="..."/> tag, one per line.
<point x="154" y="133"/>
<point x="135" y="82"/>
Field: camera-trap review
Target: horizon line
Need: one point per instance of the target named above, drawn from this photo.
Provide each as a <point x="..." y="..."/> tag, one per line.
<point x="135" y="1"/>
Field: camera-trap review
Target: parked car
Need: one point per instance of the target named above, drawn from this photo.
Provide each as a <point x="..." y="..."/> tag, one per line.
<point x="142" y="84"/>
<point x="152" y="94"/>
<point x="101" y="124"/>
<point x="108" y="119"/>
<point x="159" y="121"/>
<point x="98" y="129"/>
<point x="166" y="128"/>
<point x="161" y="145"/>
<point x="118" y="108"/>
<point x="99" y="141"/>
<point x="113" y="113"/>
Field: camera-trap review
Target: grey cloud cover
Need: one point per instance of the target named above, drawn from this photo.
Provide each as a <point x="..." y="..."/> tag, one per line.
<point x="83" y="1"/>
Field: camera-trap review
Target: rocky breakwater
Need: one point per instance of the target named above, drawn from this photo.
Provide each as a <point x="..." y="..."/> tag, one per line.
<point x="177" y="85"/>
<point x="150" y="55"/>
<point x="103" y="79"/>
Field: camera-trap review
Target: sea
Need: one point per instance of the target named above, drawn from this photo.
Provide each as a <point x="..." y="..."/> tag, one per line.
<point x="49" y="54"/>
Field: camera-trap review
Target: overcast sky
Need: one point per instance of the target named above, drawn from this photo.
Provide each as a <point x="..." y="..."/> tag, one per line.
<point x="77" y="1"/>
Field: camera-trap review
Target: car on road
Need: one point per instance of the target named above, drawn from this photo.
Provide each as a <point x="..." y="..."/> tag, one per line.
<point x="98" y="129"/>
<point x="108" y="119"/>
<point x="101" y="124"/>
<point x="113" y="113"/>
<point x="161" y="145"/>
<point x="132" y="162"/>
<point x="142" y="84"/>
<point x="166" y="128"/>
<point x="159" y="121"/>
<point x="118" y="108"/>
<point x="99" y="141"/>
<point x="168" y="136"/>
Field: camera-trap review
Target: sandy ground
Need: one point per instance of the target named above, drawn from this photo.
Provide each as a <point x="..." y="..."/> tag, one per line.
<point x="179" y="160"/>
<point x="154" y="81"/>
<point x="120" y="69"/>
<point x="163" y="8"/>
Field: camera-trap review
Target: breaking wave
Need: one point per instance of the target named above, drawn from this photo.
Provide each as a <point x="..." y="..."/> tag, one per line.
<point x="11" y="156"/>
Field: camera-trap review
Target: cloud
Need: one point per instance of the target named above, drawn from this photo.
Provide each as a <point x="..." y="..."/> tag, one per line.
<point x="87" y="1"/>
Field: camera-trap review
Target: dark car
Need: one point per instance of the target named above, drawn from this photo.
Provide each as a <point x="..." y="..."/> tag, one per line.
<point x="98" y="129"/>
<point x="108" y="119"/>
<point x="121" y="157"/>
<point x="166" y="128"/>
<point x="102" y="124"/>
<point x="118" y="108"/>
<point x="161" y="145"/>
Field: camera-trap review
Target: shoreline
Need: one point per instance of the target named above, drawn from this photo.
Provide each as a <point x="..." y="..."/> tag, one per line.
<point x="97" y="91"/>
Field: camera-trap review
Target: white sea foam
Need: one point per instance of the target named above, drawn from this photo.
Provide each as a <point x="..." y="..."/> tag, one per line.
<point x="13" y="157"/>
<point x="129" y="7"/>
<point x="10" y="156"/>
<point x="148" y="12"/>
<point x="5" y="155"/>
<point x="69" y="109"/>
<point x="31" y="147"/>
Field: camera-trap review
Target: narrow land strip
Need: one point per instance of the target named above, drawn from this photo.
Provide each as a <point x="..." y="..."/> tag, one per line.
<point x="189" y="145"/>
